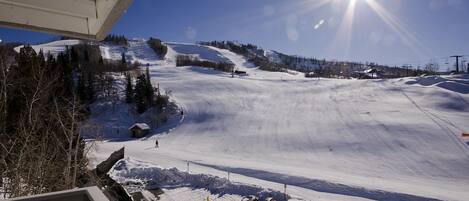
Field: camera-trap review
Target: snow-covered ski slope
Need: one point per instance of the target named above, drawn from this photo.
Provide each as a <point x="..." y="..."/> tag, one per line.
<point x="53" y="48"/>
<point x="327" y="139"/>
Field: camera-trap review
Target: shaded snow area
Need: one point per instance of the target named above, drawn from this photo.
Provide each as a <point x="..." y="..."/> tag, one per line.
<point x="111" y="117"/>
<point x="327" y="139"/>
<point x="54" y="48"/>
<point x="455" y="83"/>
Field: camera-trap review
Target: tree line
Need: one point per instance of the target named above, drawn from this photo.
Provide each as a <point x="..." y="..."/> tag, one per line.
<point x="187" y="60"/>
<point x="43" y="99"/>
<point x="253" y="53"/>
<point x="41" y="148"/>
<point x="280" y="62"/>
<point x="157" y="46"/>
<point x="143" y="95"/>
<point x="116" y="39"/>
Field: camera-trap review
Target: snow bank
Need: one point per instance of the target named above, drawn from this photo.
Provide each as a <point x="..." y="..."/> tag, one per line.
<point x="130" y="171"/>
<point x="459" y="83"/>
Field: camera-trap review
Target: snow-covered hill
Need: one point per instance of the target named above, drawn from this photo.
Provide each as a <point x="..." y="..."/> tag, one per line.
<point x="53" y="48"/>
<point x="328" y="139"/>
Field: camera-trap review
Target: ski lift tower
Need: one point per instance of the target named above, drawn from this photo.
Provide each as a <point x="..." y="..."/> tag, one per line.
<point x="457" y="61"/>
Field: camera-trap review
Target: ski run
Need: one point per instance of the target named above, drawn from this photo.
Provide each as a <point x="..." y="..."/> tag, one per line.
<point x="322" y="139"/>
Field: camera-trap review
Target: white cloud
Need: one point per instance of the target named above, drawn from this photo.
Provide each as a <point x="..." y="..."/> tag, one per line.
<point x="381" y="38"/>
<point x="332" y="22"/>
<point x="389" y="40"/>
<point x="293" y="34"/>
<point x="338" y="6"/>
<point x="191" y="33"/>
<point x="292" y="28"/>
<point x="440" y="4"/>
<point x="319" y="24"/>
<point x="268" y="10"/>
<point x="455" y="3"/>
<point x="437" y="4"/>
<point x="376" y="37"/>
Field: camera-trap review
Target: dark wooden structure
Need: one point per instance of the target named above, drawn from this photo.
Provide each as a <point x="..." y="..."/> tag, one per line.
<point x="139" y="130"/>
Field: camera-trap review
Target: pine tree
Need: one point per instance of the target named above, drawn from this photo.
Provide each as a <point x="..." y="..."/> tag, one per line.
<point x="81" y="89"/>
<point x="87" y="55"/>
<point x="66" y="77"/>
<point x="140" y="90"/>
<point x="123" y="59"/>
<point x="90" y="88"/>
<point x="129" y="91"/>
<point x="101" y="60"/>
<point x="123" y="62"/>
<point x="149" y="89"/>
<point x="74" y="56"/>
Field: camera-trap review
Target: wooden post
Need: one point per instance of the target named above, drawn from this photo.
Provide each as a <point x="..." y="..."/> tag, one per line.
<point x="285" y="191"/>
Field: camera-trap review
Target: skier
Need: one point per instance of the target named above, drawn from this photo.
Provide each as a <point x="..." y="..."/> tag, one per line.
<point x="156" y="143"/>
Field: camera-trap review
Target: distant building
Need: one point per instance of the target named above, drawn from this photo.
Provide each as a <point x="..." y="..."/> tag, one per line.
<point x="139" y="130"/>
<point x="240" y="72"/>
<point x="371" y="73"/>
<point x="310" y="74"/>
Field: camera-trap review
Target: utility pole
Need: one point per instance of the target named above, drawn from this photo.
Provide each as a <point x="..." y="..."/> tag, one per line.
<point x="457" y="61"/>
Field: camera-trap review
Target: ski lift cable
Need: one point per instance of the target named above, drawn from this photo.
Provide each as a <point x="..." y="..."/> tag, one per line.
<point x="444" y="60"/>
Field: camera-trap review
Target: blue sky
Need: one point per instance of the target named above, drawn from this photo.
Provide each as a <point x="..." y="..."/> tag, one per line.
<point x="392" y="32"/>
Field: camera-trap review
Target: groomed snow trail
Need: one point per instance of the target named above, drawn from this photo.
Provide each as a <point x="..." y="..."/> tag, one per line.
<point x="392" y="135"/>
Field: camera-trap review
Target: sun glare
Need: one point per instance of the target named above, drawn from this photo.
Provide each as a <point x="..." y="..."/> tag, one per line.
<point x="343" y="37"/>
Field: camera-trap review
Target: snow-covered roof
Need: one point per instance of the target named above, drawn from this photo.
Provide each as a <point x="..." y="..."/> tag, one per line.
<point x="90" y="19"/>
<point x="142" y="126"/>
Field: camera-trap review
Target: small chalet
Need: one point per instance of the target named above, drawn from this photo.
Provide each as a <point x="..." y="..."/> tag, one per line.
<point x="310" y="74"/>
<point x="240" y="72"/>
<point x="139" y="130"/>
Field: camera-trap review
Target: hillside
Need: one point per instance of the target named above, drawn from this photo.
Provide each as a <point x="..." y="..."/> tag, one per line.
<point x="327" y="139"/>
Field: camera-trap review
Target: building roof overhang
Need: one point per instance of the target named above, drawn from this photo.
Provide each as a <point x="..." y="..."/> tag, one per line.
<point x="86" y="19"/>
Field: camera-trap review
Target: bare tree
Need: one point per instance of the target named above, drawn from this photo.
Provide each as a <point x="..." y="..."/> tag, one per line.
<point x="432" y="67"/>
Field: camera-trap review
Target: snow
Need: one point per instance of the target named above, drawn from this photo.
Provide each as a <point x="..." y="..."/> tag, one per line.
<point x="199" y="51"/>
<point x="129" y="171"/>
<point x="143" y="126"/>
<point x="458" y="83"/>
<point x="137" y="51"/>
<point x="327" y="139"/>
<point x="54" y="48"/>
<point x="303" y="63"/>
